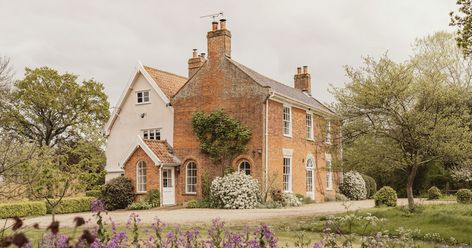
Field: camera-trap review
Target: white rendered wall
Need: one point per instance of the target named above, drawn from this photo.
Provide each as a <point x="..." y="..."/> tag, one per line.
<point x="129" y="124"/>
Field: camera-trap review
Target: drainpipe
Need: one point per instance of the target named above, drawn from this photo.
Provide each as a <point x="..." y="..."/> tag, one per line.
<point x="160" y="185"/>
<point x="271" y="93"/>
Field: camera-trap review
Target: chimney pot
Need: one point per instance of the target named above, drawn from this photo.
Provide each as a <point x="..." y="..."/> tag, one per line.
<point x="194" y="54"/>
<point x="214" y="26"/>
<point x="202" y="55"/>
<point x="222" y="23"/>
<point x="299" y="70"/>
<point x="305" y="69"/>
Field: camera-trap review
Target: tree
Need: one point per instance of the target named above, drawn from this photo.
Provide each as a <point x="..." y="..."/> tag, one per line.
<point x="412" y="109"/>
<point x="51" y="108"/>
<point x="463" y="21"/>
<point x="221" y="137"/>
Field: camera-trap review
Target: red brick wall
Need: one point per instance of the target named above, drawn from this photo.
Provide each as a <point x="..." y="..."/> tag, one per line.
<point x="301" y="148"/>
<point x="152" y="171"/>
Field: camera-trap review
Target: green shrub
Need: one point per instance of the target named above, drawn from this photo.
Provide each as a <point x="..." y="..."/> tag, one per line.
<point x="307" y="200"/>
<point x="71" y="205"/>
<point x="386" y="196"/>
<point x="118" y="193"/>
<point x="341" y="197"/>
<point x="93" y="193"/>
<point x="192" y="204"/>
<point x="22" y="209"/>
<point x="206" y="186"/>
<point x="277" y="195"/>
<point x="464" y="196"/>
<point x="140" y="205"/>
<point x="434" y="193"/>
<point x="370" y="185"/>
<point x="153" y="197"/>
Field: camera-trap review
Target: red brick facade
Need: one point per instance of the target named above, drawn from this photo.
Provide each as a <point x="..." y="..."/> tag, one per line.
<point x="221" y="83"/>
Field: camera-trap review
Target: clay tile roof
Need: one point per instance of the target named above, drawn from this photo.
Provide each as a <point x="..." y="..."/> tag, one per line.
<point x="163" y="151"/>
<point x="168" y="82"/>
<point x="282" y="88"/>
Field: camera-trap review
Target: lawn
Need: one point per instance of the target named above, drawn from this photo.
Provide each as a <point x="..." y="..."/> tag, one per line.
<point x="440" y="221"/>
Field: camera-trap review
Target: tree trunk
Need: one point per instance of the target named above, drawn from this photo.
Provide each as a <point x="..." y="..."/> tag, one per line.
<point x="409" y="187"/>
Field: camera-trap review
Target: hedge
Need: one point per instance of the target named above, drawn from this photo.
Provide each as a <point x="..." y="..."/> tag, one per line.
<point x="72" y="205"/>
<point x="93" y="193"/>
<point x="22" y="209"/>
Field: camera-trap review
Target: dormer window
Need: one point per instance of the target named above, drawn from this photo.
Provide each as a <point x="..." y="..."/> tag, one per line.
<point x="142" y="97"/>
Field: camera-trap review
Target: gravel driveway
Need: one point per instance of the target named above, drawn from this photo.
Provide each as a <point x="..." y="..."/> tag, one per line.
<point x="185" y="216"/>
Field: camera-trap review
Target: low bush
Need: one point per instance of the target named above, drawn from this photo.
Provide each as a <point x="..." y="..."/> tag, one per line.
<point x="235" y="191"/>
<point x="386" y="196"/>
<point x="307" y="200"/>
<point x="71" y="205"/>
<point x="341" y="197"/>
<point x="353" y="186"/>
<point x="153" y="197"/>
<point x="118" y="193"/>
<point x="370" y="186"/>
<point x="464" y="196"/>
<point x="192" y="204"/>
<point x="93" y="193"/>
<point x="434" y="193"/>
<point x="140" y="205"/>
<point x="277" y="195"/>
<point x="22" y="209"/>
<point x="291" y="200"/>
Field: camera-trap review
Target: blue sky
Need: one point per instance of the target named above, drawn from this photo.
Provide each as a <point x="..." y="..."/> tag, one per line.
<point x="105" y="39"/>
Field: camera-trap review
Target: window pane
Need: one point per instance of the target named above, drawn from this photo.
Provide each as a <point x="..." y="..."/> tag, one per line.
<point x="287" y="174"/>
<point x="191" y="180"/>
<point x="146" y="96"/>
<point x="139" y="96"/>
<point x="245" y="167"/>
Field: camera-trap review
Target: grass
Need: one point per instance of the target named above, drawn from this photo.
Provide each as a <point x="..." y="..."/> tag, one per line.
<point x="447" y="220"/>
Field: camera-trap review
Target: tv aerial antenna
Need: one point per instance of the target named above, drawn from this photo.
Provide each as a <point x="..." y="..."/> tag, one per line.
<point x="213" y="16"/>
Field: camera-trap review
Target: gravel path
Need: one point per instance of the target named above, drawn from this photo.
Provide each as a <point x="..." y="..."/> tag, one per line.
<point x="185" y="216"/>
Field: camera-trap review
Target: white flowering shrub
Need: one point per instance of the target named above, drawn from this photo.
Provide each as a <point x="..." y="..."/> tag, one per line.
<point x="353" y="186"/>
<point x="291" y="200"/>
<point x="235" y="191"/>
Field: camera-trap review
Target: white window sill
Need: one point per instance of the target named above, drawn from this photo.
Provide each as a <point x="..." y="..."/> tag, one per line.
<point x="143" y="103"/>
<point x="288" y="135"/>
<point x="310" y="139"/>
<point x="141" y="192"/>
<point x="330" y="189"/>
<point x="191" y="193"/>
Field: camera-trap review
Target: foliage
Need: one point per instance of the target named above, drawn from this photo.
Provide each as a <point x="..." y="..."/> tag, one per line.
<point x="192" y="204"/>
<point x="353" y="186"/>
<point x="118" y="193"/>
<point x="140" y="205"/>
<point x="434" y="193"/>
<point x="415" y="113"/>
<point x="22" y="209"/>
<point x="370" y="186"/>
<point x="221" y="137"/>
<point x="464" y="196"/>
<point x="341" y="197"/>
<point x="206" y="185"/>
<point x="235" y="191"/>
<point x="93" y="193"/>
<point x="52" y="108"/>
<point x="277" y="195"/>
<point x="291" y="200"/>
<point x="71" y="205"/>
<point x="463" y="21"/>
<point x="462" y="174"/>
<point x="386" y="196"/>
<point x="153" y="198"/>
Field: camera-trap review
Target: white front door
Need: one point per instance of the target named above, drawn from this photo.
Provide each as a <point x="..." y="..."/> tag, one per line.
<point x="168" y="186"/>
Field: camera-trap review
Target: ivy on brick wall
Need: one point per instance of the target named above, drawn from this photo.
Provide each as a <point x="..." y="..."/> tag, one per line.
<point x="221" y="136"/>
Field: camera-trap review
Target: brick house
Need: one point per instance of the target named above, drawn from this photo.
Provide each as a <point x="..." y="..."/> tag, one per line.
<point x="294" y="138"/>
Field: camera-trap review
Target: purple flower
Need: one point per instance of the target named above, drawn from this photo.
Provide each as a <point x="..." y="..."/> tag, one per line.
<point x="97" y="206"/>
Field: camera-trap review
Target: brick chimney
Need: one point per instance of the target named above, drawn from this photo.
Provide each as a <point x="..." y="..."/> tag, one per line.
<point x="195" y="62"/>
<point x="219" y="41"/>
<point x="303" y="80"/>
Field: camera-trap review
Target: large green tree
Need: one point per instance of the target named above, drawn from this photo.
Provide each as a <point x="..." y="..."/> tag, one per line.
<point x="411" y="109"/>
<point x="50" y="108"/>
<point x="463" y="21"/>
<point x="221" y="136"/>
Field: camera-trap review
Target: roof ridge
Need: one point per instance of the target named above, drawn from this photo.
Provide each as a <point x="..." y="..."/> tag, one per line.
<point x="170" y="73"/>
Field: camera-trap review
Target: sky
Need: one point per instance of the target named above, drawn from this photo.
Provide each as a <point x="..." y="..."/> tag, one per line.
<point x="105" y="39"/>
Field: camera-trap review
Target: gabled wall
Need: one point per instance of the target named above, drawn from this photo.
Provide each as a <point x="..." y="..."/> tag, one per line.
<point x="129" y="124"/>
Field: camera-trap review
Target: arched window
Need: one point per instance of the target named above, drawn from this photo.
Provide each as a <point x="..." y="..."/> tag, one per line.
<point x="141" y="177"/>
<point x="310" y="184"/>
<point x="191" y="180"/>
<point x="245" y="167"/>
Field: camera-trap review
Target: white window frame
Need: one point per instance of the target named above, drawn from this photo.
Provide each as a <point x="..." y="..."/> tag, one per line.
<point x="193" y="182"/>
<point x="154" y="132"/>
<point x="143" y="97"/>
<point x="287" y="177"/>
<point x="141" y="179"/>
<point x="309" y="126"/>
<point x="312" y="170"/>
<point x="287" y="131"/>
<point x="246" y="170"/>
<point x="329" y="172"/>
<point x="328" y="132"/>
